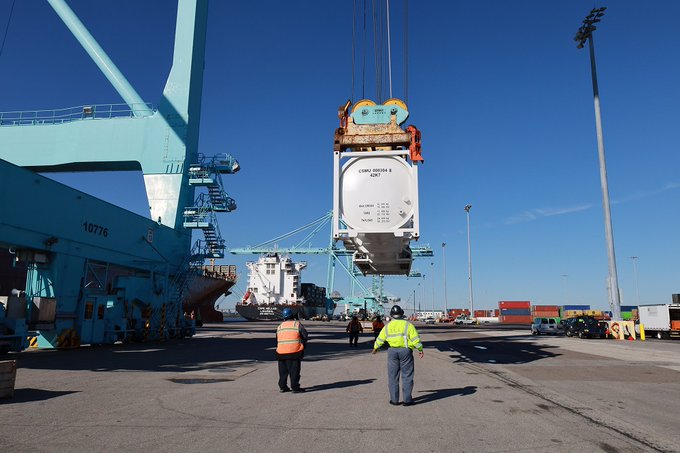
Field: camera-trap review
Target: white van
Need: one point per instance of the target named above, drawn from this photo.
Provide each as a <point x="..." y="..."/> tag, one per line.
<point x="544" y="325"/>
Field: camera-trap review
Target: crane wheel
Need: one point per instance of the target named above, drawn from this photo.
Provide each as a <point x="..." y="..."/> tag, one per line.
<point x="397" y="102"/>
<point x="362" y="103"/>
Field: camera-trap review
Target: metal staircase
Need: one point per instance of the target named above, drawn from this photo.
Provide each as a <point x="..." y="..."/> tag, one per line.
<point x="207" y="172"/>
<point x="167" y="321"/>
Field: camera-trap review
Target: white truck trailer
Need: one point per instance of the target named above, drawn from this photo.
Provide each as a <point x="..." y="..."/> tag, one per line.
<point x="660" y="320"/>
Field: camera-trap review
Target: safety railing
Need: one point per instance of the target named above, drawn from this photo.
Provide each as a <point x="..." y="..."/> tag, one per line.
<point x="69" y="114"/>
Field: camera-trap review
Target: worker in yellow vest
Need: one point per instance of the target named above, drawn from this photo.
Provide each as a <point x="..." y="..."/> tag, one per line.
<point x="291" y="338"/>
<point x="402" y="337"/>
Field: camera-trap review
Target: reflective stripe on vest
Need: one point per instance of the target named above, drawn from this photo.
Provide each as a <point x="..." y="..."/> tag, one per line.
<point x="289" y="340"/>
<point x="403" y="334"/>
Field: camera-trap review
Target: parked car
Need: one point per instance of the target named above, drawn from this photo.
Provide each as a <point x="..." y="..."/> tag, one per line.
<point x="544" y="325"/>
<point x="429" y="320"/>
<point x="585" y="327"/>
<point x="464" y="319"/>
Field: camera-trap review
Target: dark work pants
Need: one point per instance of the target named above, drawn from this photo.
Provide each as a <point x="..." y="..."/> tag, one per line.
<point x="400" y="362"/>
<point x="289" y="367"/>
<point x="353" y="338"/>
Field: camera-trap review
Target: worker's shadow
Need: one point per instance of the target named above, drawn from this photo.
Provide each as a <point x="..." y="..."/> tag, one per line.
<point x="433" y="395"/>
<point x="338" y="385"/>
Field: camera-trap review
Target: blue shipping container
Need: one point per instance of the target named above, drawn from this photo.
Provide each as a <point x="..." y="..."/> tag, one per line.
<point x="576" y="307"/>
<point x="515" y="312"/>
<point x="628" y="308"/>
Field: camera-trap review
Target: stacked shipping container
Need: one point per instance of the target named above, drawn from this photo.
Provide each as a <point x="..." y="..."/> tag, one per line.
<point x="572" y="311"/>
<point x="515" y="312"/>
<point x="629" y="312"/>
<point x="522" y="312"/>
<point x="545" y="311"/>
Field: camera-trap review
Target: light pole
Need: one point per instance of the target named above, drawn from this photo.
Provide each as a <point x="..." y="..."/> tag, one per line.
<point x="637" y="288"/>
<point x="414" y="304"/>
<point x="446" y="299"/>
<point x="585" y="33"/>
<point x="467" y="211"/>
<point x="419" y="308"/>
<point x="432" y="267"/>
<point x="564" y="286"/>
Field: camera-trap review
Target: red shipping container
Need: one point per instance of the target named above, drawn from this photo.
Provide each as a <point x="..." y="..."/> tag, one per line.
<point x="516" y="319"/>
<point x="496" y="313"/>
<point x="546" y="314"/>
<point x="545" y="308"/>
<point x="514" y="304"/>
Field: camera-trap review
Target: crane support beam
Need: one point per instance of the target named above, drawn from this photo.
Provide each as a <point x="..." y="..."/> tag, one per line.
<point x="288" y="251"/>
<point x="101" y="59"/>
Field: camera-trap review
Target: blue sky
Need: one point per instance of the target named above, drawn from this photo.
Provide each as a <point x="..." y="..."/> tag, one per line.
<point x="500" y="92"/>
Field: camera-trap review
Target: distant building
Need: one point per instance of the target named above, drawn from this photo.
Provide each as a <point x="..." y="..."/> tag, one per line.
<point x="423" y="315"/>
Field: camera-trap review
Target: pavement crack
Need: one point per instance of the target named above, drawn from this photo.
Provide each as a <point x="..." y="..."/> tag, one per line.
<point x="594" y="417"/>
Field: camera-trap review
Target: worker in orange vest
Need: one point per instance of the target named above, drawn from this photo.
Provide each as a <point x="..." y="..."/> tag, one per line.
<point x="377" y="327"/>
<point x="354" y="328"/>
<point x="291" y="338"/>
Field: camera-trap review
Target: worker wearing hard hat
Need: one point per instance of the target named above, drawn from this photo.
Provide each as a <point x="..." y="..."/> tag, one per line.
<point x="291" y="338"/>
<point x="402" y="337"/>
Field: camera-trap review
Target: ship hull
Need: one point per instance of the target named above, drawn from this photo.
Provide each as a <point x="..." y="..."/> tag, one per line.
<point x="208" y="285"/>
<point x="202" y="297"/>
<point x="272" y="312"/>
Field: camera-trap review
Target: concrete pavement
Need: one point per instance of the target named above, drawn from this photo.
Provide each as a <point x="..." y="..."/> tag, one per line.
<point x="476" y="390"/>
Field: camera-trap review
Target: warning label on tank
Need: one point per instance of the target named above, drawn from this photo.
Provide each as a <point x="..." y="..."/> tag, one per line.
<point x="375" y="212"/>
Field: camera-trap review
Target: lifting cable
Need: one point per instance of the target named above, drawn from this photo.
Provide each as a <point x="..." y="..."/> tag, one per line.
<point x="9" y="19"/>
<point x="354" y="16"/>
<point x="406" y="51"/>
<point x="382" y="37"/>
<point x="376" y="52"/>
<point x="389" y="48"/>
<point x="363" y="69"/>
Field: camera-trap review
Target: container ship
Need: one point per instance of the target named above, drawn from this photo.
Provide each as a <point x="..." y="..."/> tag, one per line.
<point x="274" y="284"/>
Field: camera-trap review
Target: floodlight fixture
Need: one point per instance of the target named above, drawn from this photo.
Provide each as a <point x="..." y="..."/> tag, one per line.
<point x="585" y="32"/>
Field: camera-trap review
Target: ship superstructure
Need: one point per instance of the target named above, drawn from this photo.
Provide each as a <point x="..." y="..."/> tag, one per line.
<point x="274" y="279"/>
<point x="273" y="285"/>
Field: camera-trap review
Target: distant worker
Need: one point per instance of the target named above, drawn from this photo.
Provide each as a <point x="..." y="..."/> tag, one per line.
<point x="354" y="327"/>
<point x="291" y="338"/>
<point x="377" y="327"/>
<point x="402" y="337"/>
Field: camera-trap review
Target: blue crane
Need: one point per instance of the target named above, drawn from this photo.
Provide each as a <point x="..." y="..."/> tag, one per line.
<point x="98" y="273"/>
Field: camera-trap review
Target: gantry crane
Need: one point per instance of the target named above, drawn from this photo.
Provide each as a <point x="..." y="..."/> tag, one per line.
<point x="370" y="299"/>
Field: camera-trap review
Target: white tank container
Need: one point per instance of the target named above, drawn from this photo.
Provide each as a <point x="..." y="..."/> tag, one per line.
<point x="377" y="193"/>
<point x="375" y="209"/>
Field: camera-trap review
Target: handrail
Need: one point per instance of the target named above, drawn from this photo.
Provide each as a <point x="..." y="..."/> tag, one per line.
<point x="69" y="114"/>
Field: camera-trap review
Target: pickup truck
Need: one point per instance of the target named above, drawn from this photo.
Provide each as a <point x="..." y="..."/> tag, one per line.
<point x="462" y="319"/>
